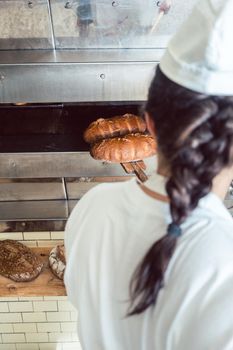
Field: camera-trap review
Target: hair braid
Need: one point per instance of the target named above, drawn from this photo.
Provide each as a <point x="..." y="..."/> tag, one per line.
<point x="195" y="136"/>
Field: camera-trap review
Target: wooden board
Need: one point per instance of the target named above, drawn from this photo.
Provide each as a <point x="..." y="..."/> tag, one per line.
<point x="44" y="285"/>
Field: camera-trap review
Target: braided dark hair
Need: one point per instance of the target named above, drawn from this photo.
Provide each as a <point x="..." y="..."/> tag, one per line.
<point x="195" y="136"/>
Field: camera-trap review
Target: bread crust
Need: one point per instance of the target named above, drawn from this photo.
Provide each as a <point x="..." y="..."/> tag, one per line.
<point x="18" y="262"/>
<point x="131" y="147"/>
<point x="114" y="127"/>
<point x="57" y="261"/>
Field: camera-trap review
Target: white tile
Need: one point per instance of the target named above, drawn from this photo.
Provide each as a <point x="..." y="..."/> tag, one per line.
<point x="74" y="316"/>
<point x="37" y="337"/>
<point x="65" y="305"/>
<point x="48" y="327"/>
<point x="30" y="298"/>
<point x="29" y="243"/>
<point x="11" y="235"/>
<point x="68" y="326"/>
<point x="20" y="306"/>
<point x="9" y="299"/>
<point x="72" y="346"/>
<point x="27" y="346"/>
<point x="60" y="337"/>
<point x="11" y="317"/>
<point x="49" y="243"/>
<point x="57" y="235"/>
<point x="6" y="328"/>
<point x="75" y="336"/>
<point x="7" y="347"/>
<point x="55" y="297"/>
<point x="24" y="327"/>
<point x="4" y="306"/>
<point x="13" y="338"/>
<point x="58" y="316"/>
<point x="50" y="346"/>
<point x="36" y="236"/>
<point x="45" y="305"/>
<point x="34" y="317"/>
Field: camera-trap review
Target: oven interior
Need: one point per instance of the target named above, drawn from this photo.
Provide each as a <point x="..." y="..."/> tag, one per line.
<point x="46" y="165"/>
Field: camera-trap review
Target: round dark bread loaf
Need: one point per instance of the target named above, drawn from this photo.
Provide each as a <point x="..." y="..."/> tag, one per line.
<point x="131" y="147"/>
<point x="113" y="127"/>
<point x="57" y="261"/>
<point x="18" y="262"/>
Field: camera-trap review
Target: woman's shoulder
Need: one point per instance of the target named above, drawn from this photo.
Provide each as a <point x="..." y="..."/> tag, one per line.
<point x="108" y="190"/>
<point x="104" y="197"/>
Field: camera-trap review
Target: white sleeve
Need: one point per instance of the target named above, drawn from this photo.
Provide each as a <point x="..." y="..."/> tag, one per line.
<point x="209" y="325"/>
<point x="85" y="221"/>
<point x="83" y="213"/>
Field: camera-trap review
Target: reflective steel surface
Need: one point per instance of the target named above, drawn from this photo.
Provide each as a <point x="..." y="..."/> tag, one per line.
<point x="43" y="24"/>
<point x="25" y="24"/>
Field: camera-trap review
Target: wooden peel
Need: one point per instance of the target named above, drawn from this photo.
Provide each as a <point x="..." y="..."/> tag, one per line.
<point x="139" y="172"/>
<point x="141" y="164"/>
<point x="127" y="167"/>
<point x="137" y="168"/>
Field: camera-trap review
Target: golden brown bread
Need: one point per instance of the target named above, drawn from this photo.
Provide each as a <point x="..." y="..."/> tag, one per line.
<point x="131" y="147"/>
<point x="18" y="261"/>
<point x="113" y="127"/>
<point x="57" y="260"/>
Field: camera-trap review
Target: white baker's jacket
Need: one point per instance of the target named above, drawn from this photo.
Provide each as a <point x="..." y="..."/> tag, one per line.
<point x="107" y="235"/>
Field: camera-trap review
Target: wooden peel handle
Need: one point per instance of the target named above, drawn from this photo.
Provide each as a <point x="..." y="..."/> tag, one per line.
<point x="139" y="172"/>
<point x="137" y="168"/>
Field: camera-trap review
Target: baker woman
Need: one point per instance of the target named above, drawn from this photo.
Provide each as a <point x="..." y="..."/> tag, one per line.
<point x="150" y="266"/>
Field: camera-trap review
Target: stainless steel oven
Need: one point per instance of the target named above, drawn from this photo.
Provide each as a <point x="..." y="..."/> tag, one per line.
<point x="63" y="64"/>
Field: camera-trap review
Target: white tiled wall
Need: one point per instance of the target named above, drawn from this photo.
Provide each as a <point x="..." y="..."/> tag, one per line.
<point x="35" y="239"/>
<point x="37" y="323"/>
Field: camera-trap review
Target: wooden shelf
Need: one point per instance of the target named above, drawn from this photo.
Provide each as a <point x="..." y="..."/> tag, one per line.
<point x="45" y="284"/>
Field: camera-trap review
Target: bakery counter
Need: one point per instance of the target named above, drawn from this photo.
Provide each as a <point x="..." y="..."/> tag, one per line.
<point x="45" y="284"/>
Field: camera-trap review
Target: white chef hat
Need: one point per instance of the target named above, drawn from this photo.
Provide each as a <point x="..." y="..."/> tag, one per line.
<point x="200" y="55"/>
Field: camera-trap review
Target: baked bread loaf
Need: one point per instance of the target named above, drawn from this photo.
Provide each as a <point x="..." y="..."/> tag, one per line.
<point x="57" y="261"/>
<point x="18" y="262"/>
<point x="131" y="147"/>
<point x="113" y="127"/>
